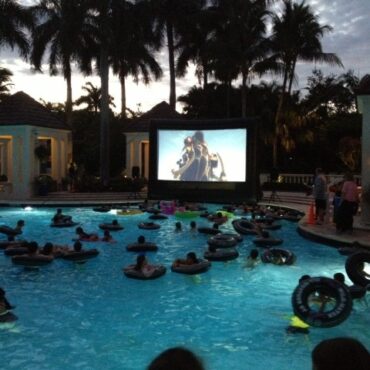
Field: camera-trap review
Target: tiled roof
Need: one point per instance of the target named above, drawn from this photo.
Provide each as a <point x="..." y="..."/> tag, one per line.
<point x="160" y="111"/>
<point x="21" y="109"/>
<point x="364" y="86"/>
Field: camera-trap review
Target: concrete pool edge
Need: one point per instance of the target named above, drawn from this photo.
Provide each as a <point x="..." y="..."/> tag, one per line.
<point x="326" y="234"/>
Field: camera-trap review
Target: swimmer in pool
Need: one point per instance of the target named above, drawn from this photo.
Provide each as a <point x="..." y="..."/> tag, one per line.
<point x="143" y="266"/>
<point x="82" y="235"/>
<point x="252" y="260"/>
<point x="296" y="325"/>
<point x="60" y="218"/>
<point x="107" y="237"/>
<point x="191" y="259"/>
<point x="5" y="309"/>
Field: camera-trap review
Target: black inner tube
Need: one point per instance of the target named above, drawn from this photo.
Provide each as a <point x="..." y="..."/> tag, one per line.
<point x="326" y="291"/>
<point x="354" y="268"/>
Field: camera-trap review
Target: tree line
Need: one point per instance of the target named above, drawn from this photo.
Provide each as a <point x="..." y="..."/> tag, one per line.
<point x="226" y="40"/>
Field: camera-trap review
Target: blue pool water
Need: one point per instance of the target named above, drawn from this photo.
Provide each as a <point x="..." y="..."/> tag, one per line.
<point x="92" y="317"/>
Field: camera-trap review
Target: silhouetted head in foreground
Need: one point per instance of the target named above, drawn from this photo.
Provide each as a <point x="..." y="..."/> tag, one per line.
<point x="340" y="354"/>
<point x="176" y="358"/>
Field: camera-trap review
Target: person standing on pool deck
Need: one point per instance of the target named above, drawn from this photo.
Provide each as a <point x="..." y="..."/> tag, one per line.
<point x="349" y="204"/>
<point x="320" y="194"/>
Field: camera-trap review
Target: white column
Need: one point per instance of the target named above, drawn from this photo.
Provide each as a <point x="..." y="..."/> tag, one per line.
<point x="129" y="153"/>
<point x="364" y="109"/>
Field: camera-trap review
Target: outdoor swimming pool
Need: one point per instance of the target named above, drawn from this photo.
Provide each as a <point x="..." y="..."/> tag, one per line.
<point x="92" y="317"/>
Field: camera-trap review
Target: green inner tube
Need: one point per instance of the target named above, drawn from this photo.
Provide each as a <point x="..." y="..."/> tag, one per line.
<point x="187" y="214"/>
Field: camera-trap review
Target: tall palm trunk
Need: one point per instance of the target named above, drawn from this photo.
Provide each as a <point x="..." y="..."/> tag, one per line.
<point x="205" y="75"/>
<point x="68" y="78"/>
<point x="104" y="103"/>
<point x="244" y="93"/>
<point x="228" y="98"/>
<point x="277" y="119"/>
<point x="171" y="61"/>
<point x="123" y="95"/>
<point x="291" y="75"/>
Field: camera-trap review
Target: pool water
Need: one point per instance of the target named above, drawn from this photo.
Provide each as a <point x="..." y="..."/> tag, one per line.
<point x="92" y="317"/>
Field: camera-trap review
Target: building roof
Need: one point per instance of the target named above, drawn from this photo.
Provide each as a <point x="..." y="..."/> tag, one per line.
<point x="160" y="111"/>
<point x="364" y="86"/>
<point x="21" y="109"/>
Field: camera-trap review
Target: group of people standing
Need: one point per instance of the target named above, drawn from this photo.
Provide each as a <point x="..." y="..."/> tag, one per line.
<point x="345" y="201"/>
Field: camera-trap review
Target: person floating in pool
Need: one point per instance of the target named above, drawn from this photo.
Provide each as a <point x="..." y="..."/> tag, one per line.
<point x="5" y="309"/>
<point x="143" y="266"/>
<point x="82" y="235"/>
<point x="77" y="247"/>
<point x="197" y="163"/>
<point x="356" y="291"/>
<point x="141" y="239"/>
<point x="9" y="231"/>
<point x="108" y="237"/>
<point x="19" y="226"/>
<point x="33" y="249"/>
<point x="263" y="234"/>
<point x="296" y="325"/>
<point x="60" y="218"/>
<point x="252" y="260"/>
<point x="191" y="259"/>
<point x="50" y="249"/>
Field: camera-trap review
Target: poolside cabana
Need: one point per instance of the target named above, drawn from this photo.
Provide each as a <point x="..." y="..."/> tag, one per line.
<point x="33" y="141"/>
<point x="137" y="138"/>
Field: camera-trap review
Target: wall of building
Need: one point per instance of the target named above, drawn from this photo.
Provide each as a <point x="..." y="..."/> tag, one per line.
<point x="22" y="166"/>
<point x="135" y="156"/>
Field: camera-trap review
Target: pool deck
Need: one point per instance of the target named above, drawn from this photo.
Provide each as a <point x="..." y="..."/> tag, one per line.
<point x="325" y="233"/>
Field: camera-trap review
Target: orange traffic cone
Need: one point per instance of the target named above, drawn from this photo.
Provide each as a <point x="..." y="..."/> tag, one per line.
<point x="311" y="215"/>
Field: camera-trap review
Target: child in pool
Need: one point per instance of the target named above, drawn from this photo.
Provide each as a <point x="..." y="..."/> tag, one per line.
<point x="252" y="260"/>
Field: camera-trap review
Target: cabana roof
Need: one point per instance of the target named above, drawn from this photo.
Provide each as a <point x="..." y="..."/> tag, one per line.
<point x="160" y="111"/>
<point x="20" y="109"/>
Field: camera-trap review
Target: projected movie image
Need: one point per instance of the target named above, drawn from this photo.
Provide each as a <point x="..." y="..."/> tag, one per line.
<point x="202" y="155"/>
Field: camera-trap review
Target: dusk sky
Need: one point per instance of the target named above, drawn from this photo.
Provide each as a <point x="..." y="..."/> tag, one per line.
<point x="349" y="40"/>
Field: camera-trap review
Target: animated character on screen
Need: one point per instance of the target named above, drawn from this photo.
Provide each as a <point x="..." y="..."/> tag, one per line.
<point x="196" y="163"/>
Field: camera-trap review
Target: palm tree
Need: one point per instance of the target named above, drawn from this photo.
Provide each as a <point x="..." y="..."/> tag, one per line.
<point x="64" y="28"/>
<point x="102" y="11"/>
<point x="194" y="46"/>
<point x="5" y="84"/>
<point x="14" y="20"/>
<point x="241" y="36"/>
<point x="92" y="98"/>
<point x="172" y="19"/>
<point x="132" y="45"/>
<point x="59" y="108"/>
<point x="296" y="35"/>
